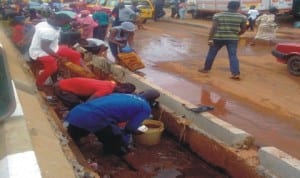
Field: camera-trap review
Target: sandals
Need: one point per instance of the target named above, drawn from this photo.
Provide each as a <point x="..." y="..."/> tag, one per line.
<point x="235" y="77"/>
<point x="203" y="71"/>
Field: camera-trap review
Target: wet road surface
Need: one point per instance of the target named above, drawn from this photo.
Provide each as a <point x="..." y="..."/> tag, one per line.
<point x="166" y="42"/>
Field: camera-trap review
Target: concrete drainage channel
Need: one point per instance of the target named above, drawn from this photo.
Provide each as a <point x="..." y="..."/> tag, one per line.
<point x="214" y="140"/>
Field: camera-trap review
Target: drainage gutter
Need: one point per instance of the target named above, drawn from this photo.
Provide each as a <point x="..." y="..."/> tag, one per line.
<point x="213" y="139"/>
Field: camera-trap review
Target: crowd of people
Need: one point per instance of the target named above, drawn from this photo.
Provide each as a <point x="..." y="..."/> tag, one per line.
<point x="97" y="106"/>
<point x="90" y="105"/>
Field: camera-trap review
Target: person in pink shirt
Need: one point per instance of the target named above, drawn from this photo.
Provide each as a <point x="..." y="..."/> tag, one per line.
<point x="73" y="91"/>
<point x="86" y="24"/>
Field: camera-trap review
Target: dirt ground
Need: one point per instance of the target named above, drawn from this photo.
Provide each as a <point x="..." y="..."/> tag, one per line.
<point x="264" y="102"/>
<point x="166" y="159"/>
<point x="265" y="84"/>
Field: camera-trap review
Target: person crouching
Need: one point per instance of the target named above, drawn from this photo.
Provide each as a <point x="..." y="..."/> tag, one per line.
<point x="45" y="47"/>
<point x="101" y="117"/>
<point x="73" y="91"/>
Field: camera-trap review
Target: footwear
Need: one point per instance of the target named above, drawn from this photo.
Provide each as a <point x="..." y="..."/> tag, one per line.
<point x="40" y="88"/>
<point x="202" y="109"/>
<point x="235" y="77"/>
<point x="203" y="71"/>
<point x="51" y="100"/>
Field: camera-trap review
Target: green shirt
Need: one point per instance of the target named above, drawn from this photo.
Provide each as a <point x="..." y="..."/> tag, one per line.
<point x="101" y="18"/>
<point x="229" y="25"/>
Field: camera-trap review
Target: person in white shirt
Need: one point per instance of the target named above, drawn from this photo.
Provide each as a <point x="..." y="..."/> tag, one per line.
<point x="252" y="15"/>
<point x="46" y="50"/>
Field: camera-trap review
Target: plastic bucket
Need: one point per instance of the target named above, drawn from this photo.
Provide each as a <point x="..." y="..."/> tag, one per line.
<point x="152" y="135"/>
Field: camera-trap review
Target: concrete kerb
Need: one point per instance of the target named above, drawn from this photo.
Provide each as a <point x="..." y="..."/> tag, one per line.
<point x="17" y="157"/>
<point x="278" y="163"/>
<point x="273" y="162"/>
<point x="206" y="122"/>
<point x="183" y="22"/>
<point x="194" y="22"/>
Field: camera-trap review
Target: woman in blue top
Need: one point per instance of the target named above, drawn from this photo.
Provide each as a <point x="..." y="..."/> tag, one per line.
<point x="101" y="117"/>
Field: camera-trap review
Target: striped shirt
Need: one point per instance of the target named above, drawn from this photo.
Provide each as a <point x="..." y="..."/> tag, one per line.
<point x="229" y="24"/>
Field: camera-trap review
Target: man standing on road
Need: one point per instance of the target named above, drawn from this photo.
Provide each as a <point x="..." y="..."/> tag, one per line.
<point x="226" y="29"/>
<point x="159" y="9"/>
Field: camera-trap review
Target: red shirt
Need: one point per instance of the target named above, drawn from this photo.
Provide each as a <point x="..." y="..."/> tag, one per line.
<point x="18" y="33"/>
<point x="87" y="86"/>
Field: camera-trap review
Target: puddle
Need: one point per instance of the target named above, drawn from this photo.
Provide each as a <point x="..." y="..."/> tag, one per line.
<point x="267" y="128"/>
<point x="166" y="159"/>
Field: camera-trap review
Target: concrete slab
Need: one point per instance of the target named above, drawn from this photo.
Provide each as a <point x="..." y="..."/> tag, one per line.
<point x="27" y="134"/>
<point x="17" y="156"/>
<point x="20" y="165"/>
<point x="279" y="163"/>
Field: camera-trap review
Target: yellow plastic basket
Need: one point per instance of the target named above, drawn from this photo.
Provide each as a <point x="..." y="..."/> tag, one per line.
<point x="131" y="61"/>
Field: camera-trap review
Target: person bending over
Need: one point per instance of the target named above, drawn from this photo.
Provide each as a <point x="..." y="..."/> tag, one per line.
<point x="73" y="91"/>
<point x="101" y="117"/>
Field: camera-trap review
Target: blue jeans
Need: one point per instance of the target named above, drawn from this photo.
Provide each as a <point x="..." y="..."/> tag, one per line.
<point x="182" y="12"/>
<point x="231" y="46"/>
<point x="114" y="48"/>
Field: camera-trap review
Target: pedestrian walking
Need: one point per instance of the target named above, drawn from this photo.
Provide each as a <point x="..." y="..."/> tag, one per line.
<point x="159" y="9"/>
<point x="182" y="9"/>
<point x="102" y="18"/>
<point x="267" y="26"/>
<point x="86" y="24"/>
<point x="122" y="14"/>
<point x="225" y="31"/>
<point x="138" y="19"/>
<point x="174" y="8"/>
<point x="252" y="15"/>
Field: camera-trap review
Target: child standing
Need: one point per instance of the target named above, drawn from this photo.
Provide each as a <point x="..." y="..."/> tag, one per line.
<point x="182" y="9"/>
<point x="252" y="15"/>
<point x="19" y="34"/>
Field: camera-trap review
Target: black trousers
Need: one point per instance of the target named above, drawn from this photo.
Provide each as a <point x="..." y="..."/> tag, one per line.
<point x="174" y="12"/>
<point x="111" y="142"/>
<point x="100" y="32"/>
<point x="251" y="24"/>
<point x="70" y="100"/>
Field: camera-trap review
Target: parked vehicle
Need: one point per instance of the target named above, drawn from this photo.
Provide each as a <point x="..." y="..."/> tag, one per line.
<point x="7" y="101"/>
<point x="288" y="53"/>
<point x="208" y="7"/>
<point x="296" y="8"/>
<point x="146" y="7"/>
